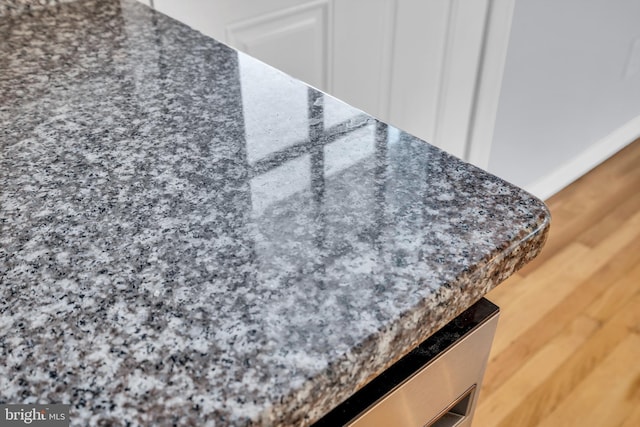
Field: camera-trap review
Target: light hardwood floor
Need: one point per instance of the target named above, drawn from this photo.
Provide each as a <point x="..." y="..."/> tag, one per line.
<point x="567" y="348"/>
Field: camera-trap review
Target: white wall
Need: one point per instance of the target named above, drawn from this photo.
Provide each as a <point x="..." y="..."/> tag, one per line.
<point x="570" y="96"/>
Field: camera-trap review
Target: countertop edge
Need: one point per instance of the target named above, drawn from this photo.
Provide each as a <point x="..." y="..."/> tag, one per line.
<point x="407" y="333"/>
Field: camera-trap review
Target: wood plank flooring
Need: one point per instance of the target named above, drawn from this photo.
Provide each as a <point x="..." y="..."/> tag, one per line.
<point x="567" y="348"/>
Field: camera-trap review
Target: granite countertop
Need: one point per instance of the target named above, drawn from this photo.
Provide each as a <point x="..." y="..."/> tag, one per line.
<point x="190" y="237"/>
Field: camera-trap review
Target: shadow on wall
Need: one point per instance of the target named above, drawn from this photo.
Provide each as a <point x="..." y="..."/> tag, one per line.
<point x="571" y="91"/>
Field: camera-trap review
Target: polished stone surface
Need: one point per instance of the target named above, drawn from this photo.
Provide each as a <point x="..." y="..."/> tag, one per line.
<point x="189" y="236"/>
<point x="17" y="7"/>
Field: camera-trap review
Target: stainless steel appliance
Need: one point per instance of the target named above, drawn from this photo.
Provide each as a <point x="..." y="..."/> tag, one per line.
<point x="436" y="385"/>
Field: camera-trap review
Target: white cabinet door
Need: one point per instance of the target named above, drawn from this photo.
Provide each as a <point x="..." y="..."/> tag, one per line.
<point x="424" y="66"/>
<point x="295" y="39"/>
<point x="446" y="72"/>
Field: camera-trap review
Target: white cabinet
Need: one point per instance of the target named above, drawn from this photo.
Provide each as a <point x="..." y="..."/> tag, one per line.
<point x="295" y="39"/>
<point x="421" y="65"/>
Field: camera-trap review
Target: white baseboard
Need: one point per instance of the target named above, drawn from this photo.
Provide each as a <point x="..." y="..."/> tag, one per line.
<point x="597" y="153"/>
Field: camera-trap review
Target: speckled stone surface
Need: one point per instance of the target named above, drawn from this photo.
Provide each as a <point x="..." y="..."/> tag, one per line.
<point x="17" y="7"/>
<point x="190" y="237"/>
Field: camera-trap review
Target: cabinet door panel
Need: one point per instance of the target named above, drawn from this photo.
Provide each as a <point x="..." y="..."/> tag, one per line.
<point x="363" y="41"/>
<point x="212" y="17"/>
<point x="418" y="58"/>
<point x="295" y="40"/>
